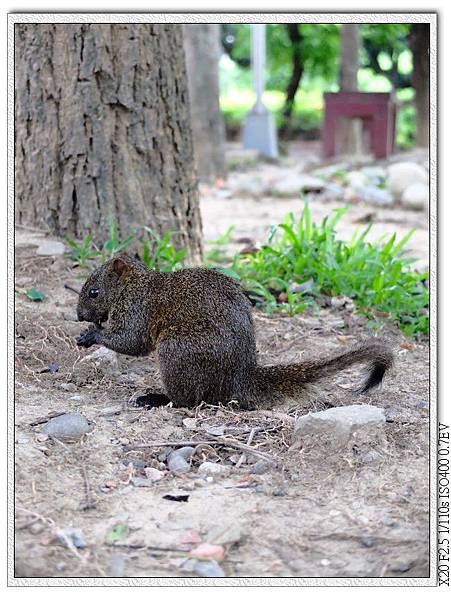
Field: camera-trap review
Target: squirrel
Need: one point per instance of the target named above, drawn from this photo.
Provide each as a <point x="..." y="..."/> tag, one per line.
<point x="199" y="322"/>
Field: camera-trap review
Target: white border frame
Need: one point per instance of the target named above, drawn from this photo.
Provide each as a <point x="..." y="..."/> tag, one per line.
<point x="178" y="17"/>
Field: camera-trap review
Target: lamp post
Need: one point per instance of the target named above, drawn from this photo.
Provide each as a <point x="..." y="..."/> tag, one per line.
<point x="259" y="131"/>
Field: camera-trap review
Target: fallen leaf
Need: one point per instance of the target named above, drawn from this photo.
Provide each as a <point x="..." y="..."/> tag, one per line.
<point x="34" y="295"/>
<point x="118" y="532"/>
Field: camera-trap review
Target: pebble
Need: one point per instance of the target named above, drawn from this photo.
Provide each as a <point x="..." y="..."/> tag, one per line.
<point x="368" y="541"/>
<point x="208" y="568"/>
<point x="177" y="460"/>
<point x="51" y="248"/>
<point x="340" y="423"/>
<point x="111" y="410"/>
<point x="213" y="469"/>
<point x="69" y="533"/>
<point x="116" y="565"/>
<point x="224" y="534"/>
<point x="260" y="467"/>
<point x="153" y="474"/>
<point x="141" y="482"/>
<point x="68" y="387"/>
<point x="416" y="196"/>
<point x="402" y="566"/>
<point x="71" y="426"/>
<point x="103" y="358"/>
<point x="206" y="550"/>
<point x="403" y="174"/>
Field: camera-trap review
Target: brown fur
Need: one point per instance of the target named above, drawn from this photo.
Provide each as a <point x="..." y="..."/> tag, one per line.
<point x="200" y="324"/>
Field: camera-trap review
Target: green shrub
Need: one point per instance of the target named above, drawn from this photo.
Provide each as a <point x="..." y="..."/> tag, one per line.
<point x="375" y="275"/>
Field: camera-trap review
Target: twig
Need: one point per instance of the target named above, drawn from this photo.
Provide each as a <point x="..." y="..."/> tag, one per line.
<point x="89" y="502"/>
<point x="248" y="443"/>
<point x="277" y="415"/>
<point x="41" y="420"/>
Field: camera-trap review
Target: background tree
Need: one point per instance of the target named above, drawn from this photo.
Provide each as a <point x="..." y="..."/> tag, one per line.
<point x="202" y="49"/>
<point x="419" y="44"/>
<point x="103" y="130"/>
<point x="349" y="133"/>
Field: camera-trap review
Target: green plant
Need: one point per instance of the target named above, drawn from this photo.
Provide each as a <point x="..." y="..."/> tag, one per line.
<point x="114" y="245"/>
<point x="217" y="251"/>
<point x="159" y="253"/>
<point x="81" y="253"/>
<point x="377" y="276"/>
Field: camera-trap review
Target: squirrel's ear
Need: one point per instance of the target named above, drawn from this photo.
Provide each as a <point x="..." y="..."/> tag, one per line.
<point x="120" y="264"/>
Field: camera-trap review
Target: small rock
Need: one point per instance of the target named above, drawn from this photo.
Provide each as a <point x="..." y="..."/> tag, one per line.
<point x="177" y="460"/>
<point x="208" y="568"/>
<point x="402" y="566"/>
<point x="294" y="185"/>
<point x="368" y="541"/>
<point x="211" y="551"/>
<point x="374" y="195"/>
<point x="71" y="426"/>
<point x="153" y="474"/>
<point x="416" y="196"/>
<point x="353" y="426"/>
<point x="224" y="534"/>
<point x="403" y="174"/>
<point x="190" y="424"/>
<point x="51" y="248"/>
<point x="70" y="316"/>
<point x="36" y="528"/>
<point x="213" y="430"/>
<point x="141" y="482"/>
<point x="356" y="179"/>
<point x="371" y="457"/>
<point x="69" y="535"/>
<point x="111" y="410"/>
<point x="60" y="566"/>
<point x="116" y="565"/>
<point x="103" y="358"/>
<point x="213" y="469"/>
<point x="68" y="387"/>
<point x="332" y="192"/>
<point x="42" y="437"/>
<point x="75" y="398"/>
<point x="260" y="467"/>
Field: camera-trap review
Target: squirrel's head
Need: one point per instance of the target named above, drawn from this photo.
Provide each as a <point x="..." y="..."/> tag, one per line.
<point x="98" y="293"/>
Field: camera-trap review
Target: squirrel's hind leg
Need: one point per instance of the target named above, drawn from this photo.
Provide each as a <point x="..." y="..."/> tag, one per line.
<point x="152" y="400"/>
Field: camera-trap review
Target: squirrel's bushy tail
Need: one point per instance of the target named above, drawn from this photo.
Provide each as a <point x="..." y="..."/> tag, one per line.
<point x="290" y="379"/>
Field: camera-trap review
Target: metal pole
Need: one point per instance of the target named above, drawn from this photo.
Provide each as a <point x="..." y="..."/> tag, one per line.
<point x="259" y="131"/>
<point x="258" y="64"/>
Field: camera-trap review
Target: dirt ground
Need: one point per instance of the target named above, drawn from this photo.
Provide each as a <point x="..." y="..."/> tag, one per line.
<point x="318" y="514"/>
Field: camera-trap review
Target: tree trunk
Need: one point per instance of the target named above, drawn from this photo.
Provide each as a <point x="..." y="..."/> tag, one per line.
<point x="349" y="133"/>
<point x="202" y="51"/>
<point x="103" y="131"/>
<point x="419" y="45"/>
<point x="297" y="70"/>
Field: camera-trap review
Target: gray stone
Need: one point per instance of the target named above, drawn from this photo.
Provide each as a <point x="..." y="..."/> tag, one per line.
<point x="68" y="387"/>
<point x="51" y="248"/>
<point x="177" y="460"/>
<point x="141" y="482"/>
<point x="104" y="359"/>
<point x="116" y="565"/>
<point x="416" y="196"/>
<point x="356" y="179"/>
<point x="208" y="568"/>
<point x="294" y="185"/>
<point x="371" y="194"/>
<point x="260" y="467"/>
<point x="213" y="469"/>
<point x="352" y="426"/>
<point x="71" y="426"/>
<point x="403" y="174"/>
<point x="228" y="533"/>
<point x="69" y="535"/>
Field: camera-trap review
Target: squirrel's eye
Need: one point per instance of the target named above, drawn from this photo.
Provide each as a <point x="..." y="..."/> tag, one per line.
<point x="93" y="292"/>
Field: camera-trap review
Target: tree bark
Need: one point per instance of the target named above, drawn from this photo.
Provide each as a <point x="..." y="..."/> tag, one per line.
<point x="297" y="70"/>
<point x="419" y="45"/>
<point x="349" y="133"/>
<point x="103" y="131"/>
<point x="202" y="51"/>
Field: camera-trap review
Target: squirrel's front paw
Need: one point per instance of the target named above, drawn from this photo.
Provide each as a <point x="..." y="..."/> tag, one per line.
<point x="88" y="338"/>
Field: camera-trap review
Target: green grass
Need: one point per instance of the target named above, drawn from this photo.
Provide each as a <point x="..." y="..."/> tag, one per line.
<point x="377" y="276"/>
